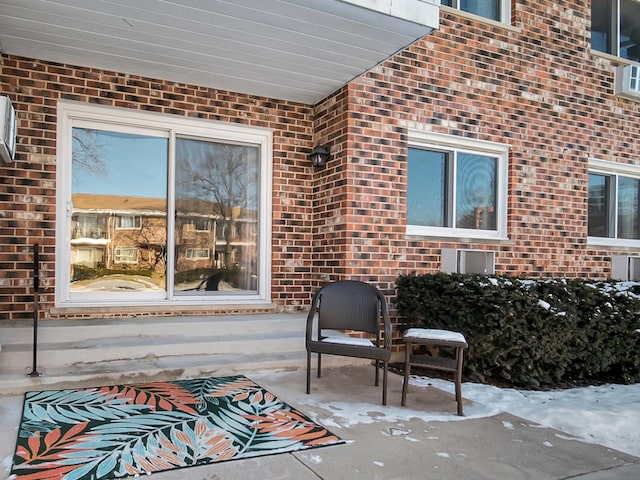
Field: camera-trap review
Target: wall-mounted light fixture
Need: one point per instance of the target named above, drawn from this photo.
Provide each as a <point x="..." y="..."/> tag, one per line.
<point x="319" y="156"/>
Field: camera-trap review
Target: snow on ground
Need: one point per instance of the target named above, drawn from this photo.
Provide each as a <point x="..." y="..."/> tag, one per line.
<point x="606" y="415"/>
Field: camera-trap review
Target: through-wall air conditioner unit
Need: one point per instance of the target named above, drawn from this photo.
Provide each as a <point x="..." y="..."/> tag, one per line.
<point x="468" y="261"/>
<point x="7" y="130"/>
<point x="625" y="267"/>
<point x="628" y="81"/>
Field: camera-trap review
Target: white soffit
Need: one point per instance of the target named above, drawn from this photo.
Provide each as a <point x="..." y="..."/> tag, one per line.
<point x="298" y="50"/>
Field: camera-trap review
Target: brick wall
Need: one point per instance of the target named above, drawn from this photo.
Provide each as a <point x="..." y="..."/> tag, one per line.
<point x="27" y="187"/>
<point x="534" y="85"/>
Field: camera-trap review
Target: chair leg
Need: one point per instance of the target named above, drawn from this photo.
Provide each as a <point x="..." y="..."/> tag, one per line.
<point x="319" y="365"/>
<point x="384" y="382"/>
<point x="308" y="372"/>
<point x="376" y="365"/>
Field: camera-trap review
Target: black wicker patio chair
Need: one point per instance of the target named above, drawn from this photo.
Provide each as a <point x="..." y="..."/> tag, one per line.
<point x="350" y="319"/>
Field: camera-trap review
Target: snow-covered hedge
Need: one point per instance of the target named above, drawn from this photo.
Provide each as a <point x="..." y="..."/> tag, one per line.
<point x="531" y="333"/>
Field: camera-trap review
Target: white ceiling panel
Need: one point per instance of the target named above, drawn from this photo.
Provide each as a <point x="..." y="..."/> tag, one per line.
<point x="299" y="50"/>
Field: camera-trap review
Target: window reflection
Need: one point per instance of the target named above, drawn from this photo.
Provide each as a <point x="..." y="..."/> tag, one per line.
<point x="427" y="188"/>
<point x="485" y="8"/>
<point x="614" y="206"/>
<point x="216" y="227"/>
<point x="628" y="195"/>
<point x="452" y="189"/>
<point x="599" y="194"/>
<point x="476" y="192"/>
<point x="615" y="27"/>
<point x="119" y="217"/>
<point x="630" y="30"/>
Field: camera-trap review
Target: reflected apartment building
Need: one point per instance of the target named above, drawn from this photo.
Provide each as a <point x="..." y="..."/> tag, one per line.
<point x="128" y="235"/>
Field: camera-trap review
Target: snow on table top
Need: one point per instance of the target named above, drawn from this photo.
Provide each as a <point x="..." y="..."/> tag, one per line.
<point x="435" y="334"/>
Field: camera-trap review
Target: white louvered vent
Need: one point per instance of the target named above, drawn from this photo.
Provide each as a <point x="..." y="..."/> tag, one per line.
<point x="468" y="261"/>
<point x="628" y="81"/>
<point x="7" y="130"/>
<point x="624" y="267"/>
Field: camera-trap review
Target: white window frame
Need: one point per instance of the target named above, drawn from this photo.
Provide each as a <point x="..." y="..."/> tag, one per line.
<point x="505" y="12"/>
<point x="117" y="254"/>
<point x="190" y="253"/>
<point x="93" y="250"/>
<point x="207" y="223"/>
<point x="429" y="140"/>
<point x="137" y="222"/>
<point x="614" y="169"/>
<point x="74" y="114"/>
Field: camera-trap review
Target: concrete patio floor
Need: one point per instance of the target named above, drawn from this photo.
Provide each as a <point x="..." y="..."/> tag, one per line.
<point x="425" y="439"/>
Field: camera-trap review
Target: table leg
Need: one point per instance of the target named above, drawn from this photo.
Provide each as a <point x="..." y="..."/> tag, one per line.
<point x="459" y="356"/>
<point x="407" y="369"/>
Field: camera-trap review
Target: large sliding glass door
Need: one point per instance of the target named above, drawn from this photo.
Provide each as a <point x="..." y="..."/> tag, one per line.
<point x="159" y="214"/>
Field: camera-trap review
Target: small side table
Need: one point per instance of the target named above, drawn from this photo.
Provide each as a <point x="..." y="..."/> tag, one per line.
<point x="433" y="337"/>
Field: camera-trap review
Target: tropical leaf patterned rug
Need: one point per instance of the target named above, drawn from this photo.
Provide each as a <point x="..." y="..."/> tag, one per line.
<point x="128" y="430"/>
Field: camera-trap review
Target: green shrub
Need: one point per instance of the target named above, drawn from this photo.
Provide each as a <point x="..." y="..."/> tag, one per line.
<point x="530" y="333"/>
<point x="81" y="272"/>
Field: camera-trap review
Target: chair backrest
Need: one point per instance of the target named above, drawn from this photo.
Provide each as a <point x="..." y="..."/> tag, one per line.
<point x="350" y="305"/>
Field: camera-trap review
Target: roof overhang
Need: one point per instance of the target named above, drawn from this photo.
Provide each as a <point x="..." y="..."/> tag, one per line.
<point x="297" y="50"/>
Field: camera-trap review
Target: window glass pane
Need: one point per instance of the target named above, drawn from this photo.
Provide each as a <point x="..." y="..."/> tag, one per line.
<point x="217" y="190"/>
<point x="197" y="253"/>
<point x="628" y="195"/>
<point x="485" y="8"/>
<point x="119" y="197"/>
<point x="599" y="195"/>
<point x="630" y="29"/>
<point x="128" y="222"/>
<point x="426" y="189"/>
<point x="125" y="255"/>
<point x="88" y="256"/>
<point x="603" y="22"/>
<point x="476" y="191"/>
<point x="447" y="3"/>
<point x="203" y="225"/>
<point x="87" y="225"/>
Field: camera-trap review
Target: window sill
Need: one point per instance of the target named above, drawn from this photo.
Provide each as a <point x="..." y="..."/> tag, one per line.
<point x="144" y="310"/>
<point x="612" y="243"/>
<point x="612" y="58"/>
<point x="459" y="239"/>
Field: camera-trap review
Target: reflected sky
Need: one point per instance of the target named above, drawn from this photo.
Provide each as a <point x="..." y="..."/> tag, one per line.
<point x="112" y="163"/>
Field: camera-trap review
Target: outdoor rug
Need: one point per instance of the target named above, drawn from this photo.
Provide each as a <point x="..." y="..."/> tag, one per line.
<point x="129" y="430"/>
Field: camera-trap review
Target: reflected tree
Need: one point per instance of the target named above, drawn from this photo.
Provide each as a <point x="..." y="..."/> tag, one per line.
<point x="223" y="175"/>
<point x="87" y="153"/>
